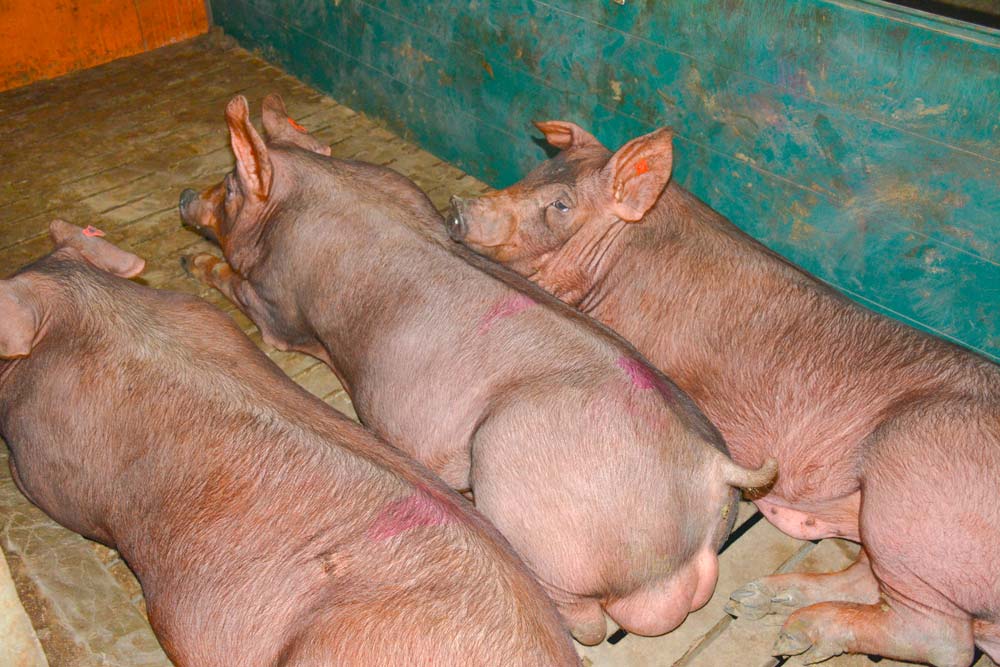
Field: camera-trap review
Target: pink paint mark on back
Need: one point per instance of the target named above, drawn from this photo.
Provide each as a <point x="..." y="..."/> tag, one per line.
<point x="644" y="377"/>
<point x="641" y="375"/>
<point x="506" y="307"/>
<point x="417" y="510"/>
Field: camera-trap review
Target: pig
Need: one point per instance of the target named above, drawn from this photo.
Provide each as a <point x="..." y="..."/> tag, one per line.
<point x="884" y="435"/>
<point x="604" y="476"/>
<point x="264" y="527"/>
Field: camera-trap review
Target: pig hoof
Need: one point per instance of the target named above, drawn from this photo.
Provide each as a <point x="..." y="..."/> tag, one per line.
<point x="790" y="644"/>
<point x="810" y="654"/>
<point x="198" y="266"/>
<point x="808" y="636"/>
<point x="756" y="600"/>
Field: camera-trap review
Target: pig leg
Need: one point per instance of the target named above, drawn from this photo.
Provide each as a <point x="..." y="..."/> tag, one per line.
<point x="583" y="615"/>
<point x="928" y="521"/>
<point x="547" y="529"/>
<point x="784" y="593"/>
<point x="215" y="272"/>
<point x="891" y="628"/>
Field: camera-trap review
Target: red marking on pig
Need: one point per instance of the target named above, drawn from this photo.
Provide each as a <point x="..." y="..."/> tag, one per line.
<point x="418" y="510"/>
<point x="641" y="375"/>
<point x="511" y="305"/>
<point x="90" y="230"/>
<point x="641" y="167"/>
<point x="296" y="125"/>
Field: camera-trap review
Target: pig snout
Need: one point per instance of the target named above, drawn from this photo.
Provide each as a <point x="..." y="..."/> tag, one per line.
<point x="187" y="197"/>
<point x="455" y="222"/>
<point x="197" y="214"/>
<point x="479" y="224"/>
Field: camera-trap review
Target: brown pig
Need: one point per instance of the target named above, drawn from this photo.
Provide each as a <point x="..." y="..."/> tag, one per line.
<point x="264" y="527"/>
<point x="604" y="476"/>
<point x="883" y="434"/>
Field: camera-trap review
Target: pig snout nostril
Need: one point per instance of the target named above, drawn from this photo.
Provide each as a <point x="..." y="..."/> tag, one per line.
<point x="187" y="197"/>
<point x="456" y="225"/>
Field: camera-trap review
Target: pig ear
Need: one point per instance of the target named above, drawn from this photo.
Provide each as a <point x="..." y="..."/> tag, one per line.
<point x="563" y="134"/>
<point x="279" y="127"/>
<point x="253" y="165"/>
<point x="639" y="172"/>
<point x="19" y="322"/>
<point x="96" y="250"/>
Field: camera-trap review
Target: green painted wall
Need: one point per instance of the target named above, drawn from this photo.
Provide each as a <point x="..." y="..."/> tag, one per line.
<point x="859" y="140"/>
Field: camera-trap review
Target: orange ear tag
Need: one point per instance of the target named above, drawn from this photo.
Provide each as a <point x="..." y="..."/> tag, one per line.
<point x="296" y="125"/>
<point x="641" y="167"/>
<point x="90" y="230"/>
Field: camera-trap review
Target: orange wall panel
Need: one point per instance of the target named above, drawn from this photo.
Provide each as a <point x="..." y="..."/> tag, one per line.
<point x="163" y="21"/>
<point x="41" y="39"/>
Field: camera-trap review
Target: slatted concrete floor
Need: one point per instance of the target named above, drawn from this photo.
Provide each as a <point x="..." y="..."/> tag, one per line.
<point x="113" y="147"/>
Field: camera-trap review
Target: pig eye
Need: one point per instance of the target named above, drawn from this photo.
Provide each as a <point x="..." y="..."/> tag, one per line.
<point x="559" y="206"/>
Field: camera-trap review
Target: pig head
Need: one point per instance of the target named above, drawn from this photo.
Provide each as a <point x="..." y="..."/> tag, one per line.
<point x="568" y="212"/>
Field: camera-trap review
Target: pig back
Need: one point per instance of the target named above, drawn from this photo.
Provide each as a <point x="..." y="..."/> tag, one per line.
<point x="244" y="504"/>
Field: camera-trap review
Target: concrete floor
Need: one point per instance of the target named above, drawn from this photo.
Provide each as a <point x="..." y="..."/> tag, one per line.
<point x="113" y="147"/>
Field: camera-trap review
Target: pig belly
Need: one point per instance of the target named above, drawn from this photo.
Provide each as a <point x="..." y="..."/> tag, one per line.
<point x="833" y="518"/>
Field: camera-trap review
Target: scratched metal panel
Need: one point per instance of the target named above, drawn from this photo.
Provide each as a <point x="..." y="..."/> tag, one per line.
<point x="860" y="140"/>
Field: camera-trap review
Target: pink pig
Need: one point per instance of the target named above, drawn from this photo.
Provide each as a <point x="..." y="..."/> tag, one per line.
<point x="602" y="474"/>
<point x="264" y="527"/>
<point x="883" y="434"/>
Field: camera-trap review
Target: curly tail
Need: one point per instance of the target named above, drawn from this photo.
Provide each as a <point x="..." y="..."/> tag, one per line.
<point x="749" y="479"/>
